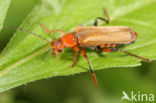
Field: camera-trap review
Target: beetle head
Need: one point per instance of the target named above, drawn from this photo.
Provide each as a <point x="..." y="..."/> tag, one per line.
<point x="57" y="47"/>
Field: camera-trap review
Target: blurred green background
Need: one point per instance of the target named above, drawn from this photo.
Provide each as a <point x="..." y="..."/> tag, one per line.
<point x="78" y="88"/>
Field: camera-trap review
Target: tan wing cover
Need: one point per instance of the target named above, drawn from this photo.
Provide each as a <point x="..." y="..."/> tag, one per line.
<point x="92" y="36"/>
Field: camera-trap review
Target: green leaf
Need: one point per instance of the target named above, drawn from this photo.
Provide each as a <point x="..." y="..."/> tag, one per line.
<point x="21" y="61"/>
<point x="15" y="15"/>
<point x="4" y="5"/>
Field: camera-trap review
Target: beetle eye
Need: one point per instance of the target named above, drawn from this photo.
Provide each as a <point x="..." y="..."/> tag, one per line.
<point x="60" y="50"/>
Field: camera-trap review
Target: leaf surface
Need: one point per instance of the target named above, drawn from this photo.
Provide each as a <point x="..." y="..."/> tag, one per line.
<point x="4" y="5"/>
<point x="21" y="61"/>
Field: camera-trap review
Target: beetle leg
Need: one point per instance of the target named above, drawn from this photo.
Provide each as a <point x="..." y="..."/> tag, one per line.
<point x="106" y="47"/>
<point x="103" y="19"/>
<point x="50" y="31"/>
<point x="134" y="55"/>
<point x="99" y="18"/>
<point x="90" y="67"/>
<point x="45" y="28"/>
<point x="46" y="53"/>
<point x="76" y="49"/>
<point x="108" y="50"/>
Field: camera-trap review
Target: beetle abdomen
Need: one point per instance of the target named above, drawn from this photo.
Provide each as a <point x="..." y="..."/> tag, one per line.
<point x="92" y="36"/>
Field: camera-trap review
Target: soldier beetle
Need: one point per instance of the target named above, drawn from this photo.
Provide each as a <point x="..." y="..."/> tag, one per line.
<point x="104" y="38"/>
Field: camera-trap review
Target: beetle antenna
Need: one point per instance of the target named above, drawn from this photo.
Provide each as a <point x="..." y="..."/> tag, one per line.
<point x="17" y="28"/>
<point x="25" y="30"/>
<point x="134" y="55"/>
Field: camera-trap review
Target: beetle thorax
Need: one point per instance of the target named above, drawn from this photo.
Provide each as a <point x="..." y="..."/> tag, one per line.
<point x="69" y="40"/>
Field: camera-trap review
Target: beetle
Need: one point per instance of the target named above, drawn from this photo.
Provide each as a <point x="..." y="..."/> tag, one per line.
<point x="104" y="38"/>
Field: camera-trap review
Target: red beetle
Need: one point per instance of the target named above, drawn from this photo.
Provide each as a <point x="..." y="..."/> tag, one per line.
<point x="104" y="38"/>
